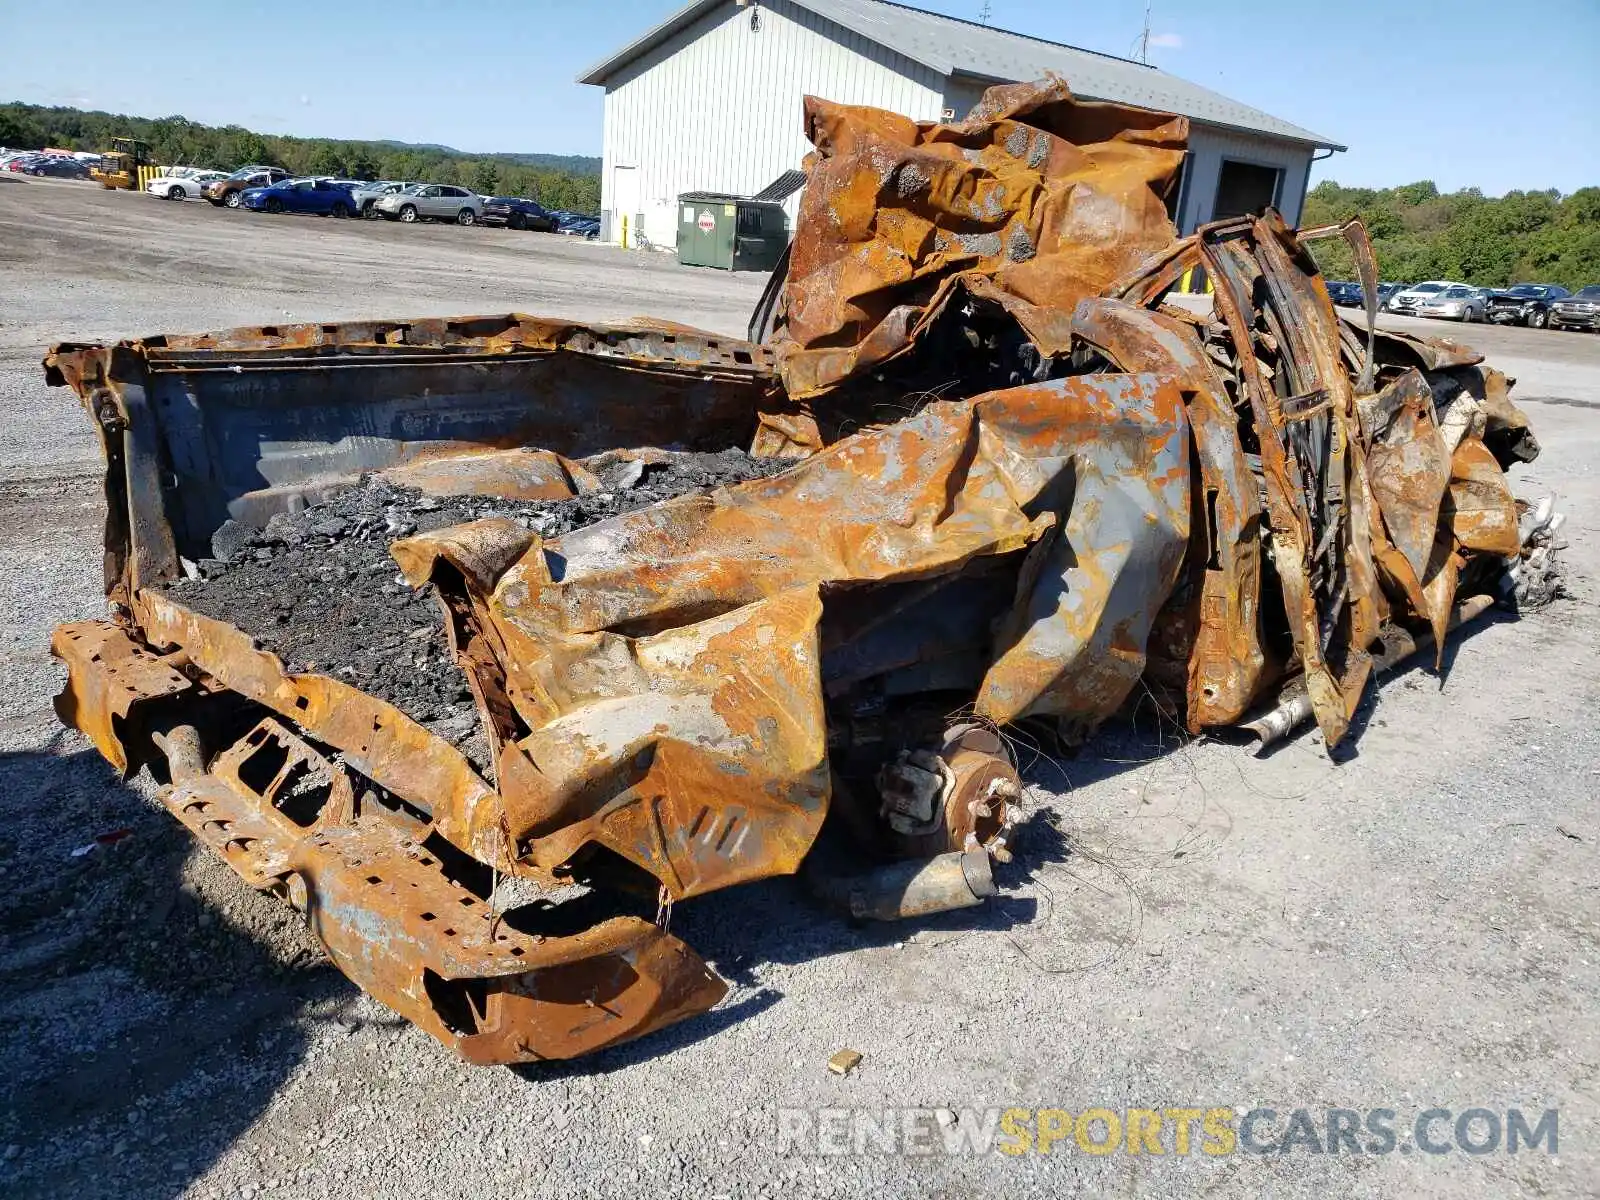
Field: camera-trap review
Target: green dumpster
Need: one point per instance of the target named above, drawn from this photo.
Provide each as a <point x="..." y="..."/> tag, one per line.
<point x="735" y="233"/>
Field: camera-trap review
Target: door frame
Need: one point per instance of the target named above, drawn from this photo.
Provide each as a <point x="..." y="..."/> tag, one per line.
<point x="615" y="232"/>
<point x="1278" y="169"/>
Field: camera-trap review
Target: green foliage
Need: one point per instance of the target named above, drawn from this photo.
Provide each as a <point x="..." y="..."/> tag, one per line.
<point x="1418" y="233"/>
<point x="485" y="177"/>
<point x="557" y="181"/>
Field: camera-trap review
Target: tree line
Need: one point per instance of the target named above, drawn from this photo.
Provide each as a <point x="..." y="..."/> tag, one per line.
<point x="1420" y="233"/>
<point x="561" y="182"/>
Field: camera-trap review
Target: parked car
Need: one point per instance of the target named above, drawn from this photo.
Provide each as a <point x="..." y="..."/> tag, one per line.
<point x="1456" y="303"/>
<point x="431" y="201"/>
<point x="1387" y="290"/>
<point x="368" y="194"/>
<point x="1580" y="311"/>
<point x="181" y="187"/>
<point x="1526" y="304"/>
<point x="321" y="197"/>
<point x="229" y="190"/>
<point x="1407" y="300"/>
<point x="58" y="167"/>
<point x="1347" y="295"/>
<point x="516" y="213"/>
<point x="576" y="224"/>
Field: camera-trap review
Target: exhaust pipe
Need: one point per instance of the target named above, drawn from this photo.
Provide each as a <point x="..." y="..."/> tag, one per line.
<point x="1277" y="724"/>
<point x="914" y="888"/>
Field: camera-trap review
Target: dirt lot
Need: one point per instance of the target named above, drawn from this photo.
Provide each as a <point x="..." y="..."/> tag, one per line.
<point x="1186" y="926"/>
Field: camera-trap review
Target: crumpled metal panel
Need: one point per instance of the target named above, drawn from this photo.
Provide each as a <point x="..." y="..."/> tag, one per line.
<point x="405" y="933"/>
<point x="1031" y="491"/>
<point x="1074" y="644"/>
<point x="518" y="474"/>
<point x="1410" y="466"/>
<point x="667" y="663"/>
<point x="1479" y="511"/>
<point x="1212" y="625"/>
<point x="1037" y="200"/>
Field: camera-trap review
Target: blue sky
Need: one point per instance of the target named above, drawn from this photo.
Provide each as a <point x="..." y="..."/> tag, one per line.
<point x="1493" y="94"/>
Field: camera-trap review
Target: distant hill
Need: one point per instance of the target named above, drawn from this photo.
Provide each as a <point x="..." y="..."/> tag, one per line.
<point x="577" y="164"/>
<point x="427" y="147"/>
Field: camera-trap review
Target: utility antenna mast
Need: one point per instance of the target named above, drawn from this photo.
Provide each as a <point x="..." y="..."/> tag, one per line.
<point x="984" y="14"/>
<point x="1144" y="38"/>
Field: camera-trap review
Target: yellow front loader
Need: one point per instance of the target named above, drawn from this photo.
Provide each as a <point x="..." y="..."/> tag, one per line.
<point x="126" y="165"/>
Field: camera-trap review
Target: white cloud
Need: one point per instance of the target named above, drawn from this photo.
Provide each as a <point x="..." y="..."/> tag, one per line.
<point x="305" y="100"/>
<point x="1167" y="41"/>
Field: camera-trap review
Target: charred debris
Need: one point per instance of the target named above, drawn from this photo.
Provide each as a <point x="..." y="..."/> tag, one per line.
<point x="402" y="610"/>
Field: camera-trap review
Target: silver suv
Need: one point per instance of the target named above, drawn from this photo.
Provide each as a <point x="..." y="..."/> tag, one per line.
<point x="368" y="194"/>
<point x="435" y="201"/>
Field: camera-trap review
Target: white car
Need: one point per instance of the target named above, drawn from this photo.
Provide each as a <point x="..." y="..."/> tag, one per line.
<point x="181" y="187"/>
<point x="1419" y="293"/>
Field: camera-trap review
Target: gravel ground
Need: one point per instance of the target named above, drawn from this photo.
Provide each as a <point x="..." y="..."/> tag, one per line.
<point x="1414" y="925"/>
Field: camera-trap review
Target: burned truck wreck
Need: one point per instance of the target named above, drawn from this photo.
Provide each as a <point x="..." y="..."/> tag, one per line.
<point x="401" y="611"/>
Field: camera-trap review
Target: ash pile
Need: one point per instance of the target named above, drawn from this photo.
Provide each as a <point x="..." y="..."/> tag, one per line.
<point x="318" y="588"/>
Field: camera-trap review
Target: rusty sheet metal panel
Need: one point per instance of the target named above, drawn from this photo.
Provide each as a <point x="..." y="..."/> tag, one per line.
<point x="667" y="663"/>
<point x="1479" y="511"/>
<point x="1038" y="200"/>
<point x="1410" y="466"/>
<point x="433" y="952"/>
<point x="250" y="422"/>
<point x="1213" y="623"/>
<point x="518" y="474"/>
<point x="1074" y="644"/>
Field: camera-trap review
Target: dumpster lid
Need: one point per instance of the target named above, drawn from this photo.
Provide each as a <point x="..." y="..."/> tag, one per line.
<point x="721" y="198"/>
<point x="782" y="187"/>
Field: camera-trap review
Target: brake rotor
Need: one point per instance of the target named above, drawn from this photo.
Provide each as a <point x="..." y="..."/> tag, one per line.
<point x="964" y="796"/>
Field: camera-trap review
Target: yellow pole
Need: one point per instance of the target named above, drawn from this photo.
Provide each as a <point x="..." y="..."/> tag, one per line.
<point x="624" y="231"/>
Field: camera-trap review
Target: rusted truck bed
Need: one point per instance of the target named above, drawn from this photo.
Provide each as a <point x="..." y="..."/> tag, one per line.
<point x="471" y="637"/>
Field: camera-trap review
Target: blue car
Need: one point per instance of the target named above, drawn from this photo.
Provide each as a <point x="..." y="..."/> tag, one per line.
<point x="320" y="196"/>
<point x="576" y="224"/>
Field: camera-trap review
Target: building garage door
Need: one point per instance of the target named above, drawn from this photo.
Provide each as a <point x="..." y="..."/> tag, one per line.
<point x="1245" y="188"/>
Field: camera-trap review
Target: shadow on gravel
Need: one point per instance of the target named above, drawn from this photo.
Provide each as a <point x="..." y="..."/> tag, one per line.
<point x="139" y="1035"/>
<point x="1418" y="670"/>
<point x="672" y="1038"/>
<point x="777" y="921"/>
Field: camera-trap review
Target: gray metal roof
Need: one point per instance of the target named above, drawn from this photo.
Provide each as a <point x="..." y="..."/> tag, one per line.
<point x="951" y="46"/>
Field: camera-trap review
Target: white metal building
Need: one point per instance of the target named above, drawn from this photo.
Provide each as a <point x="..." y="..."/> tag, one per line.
<point x="710" y="100"/>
